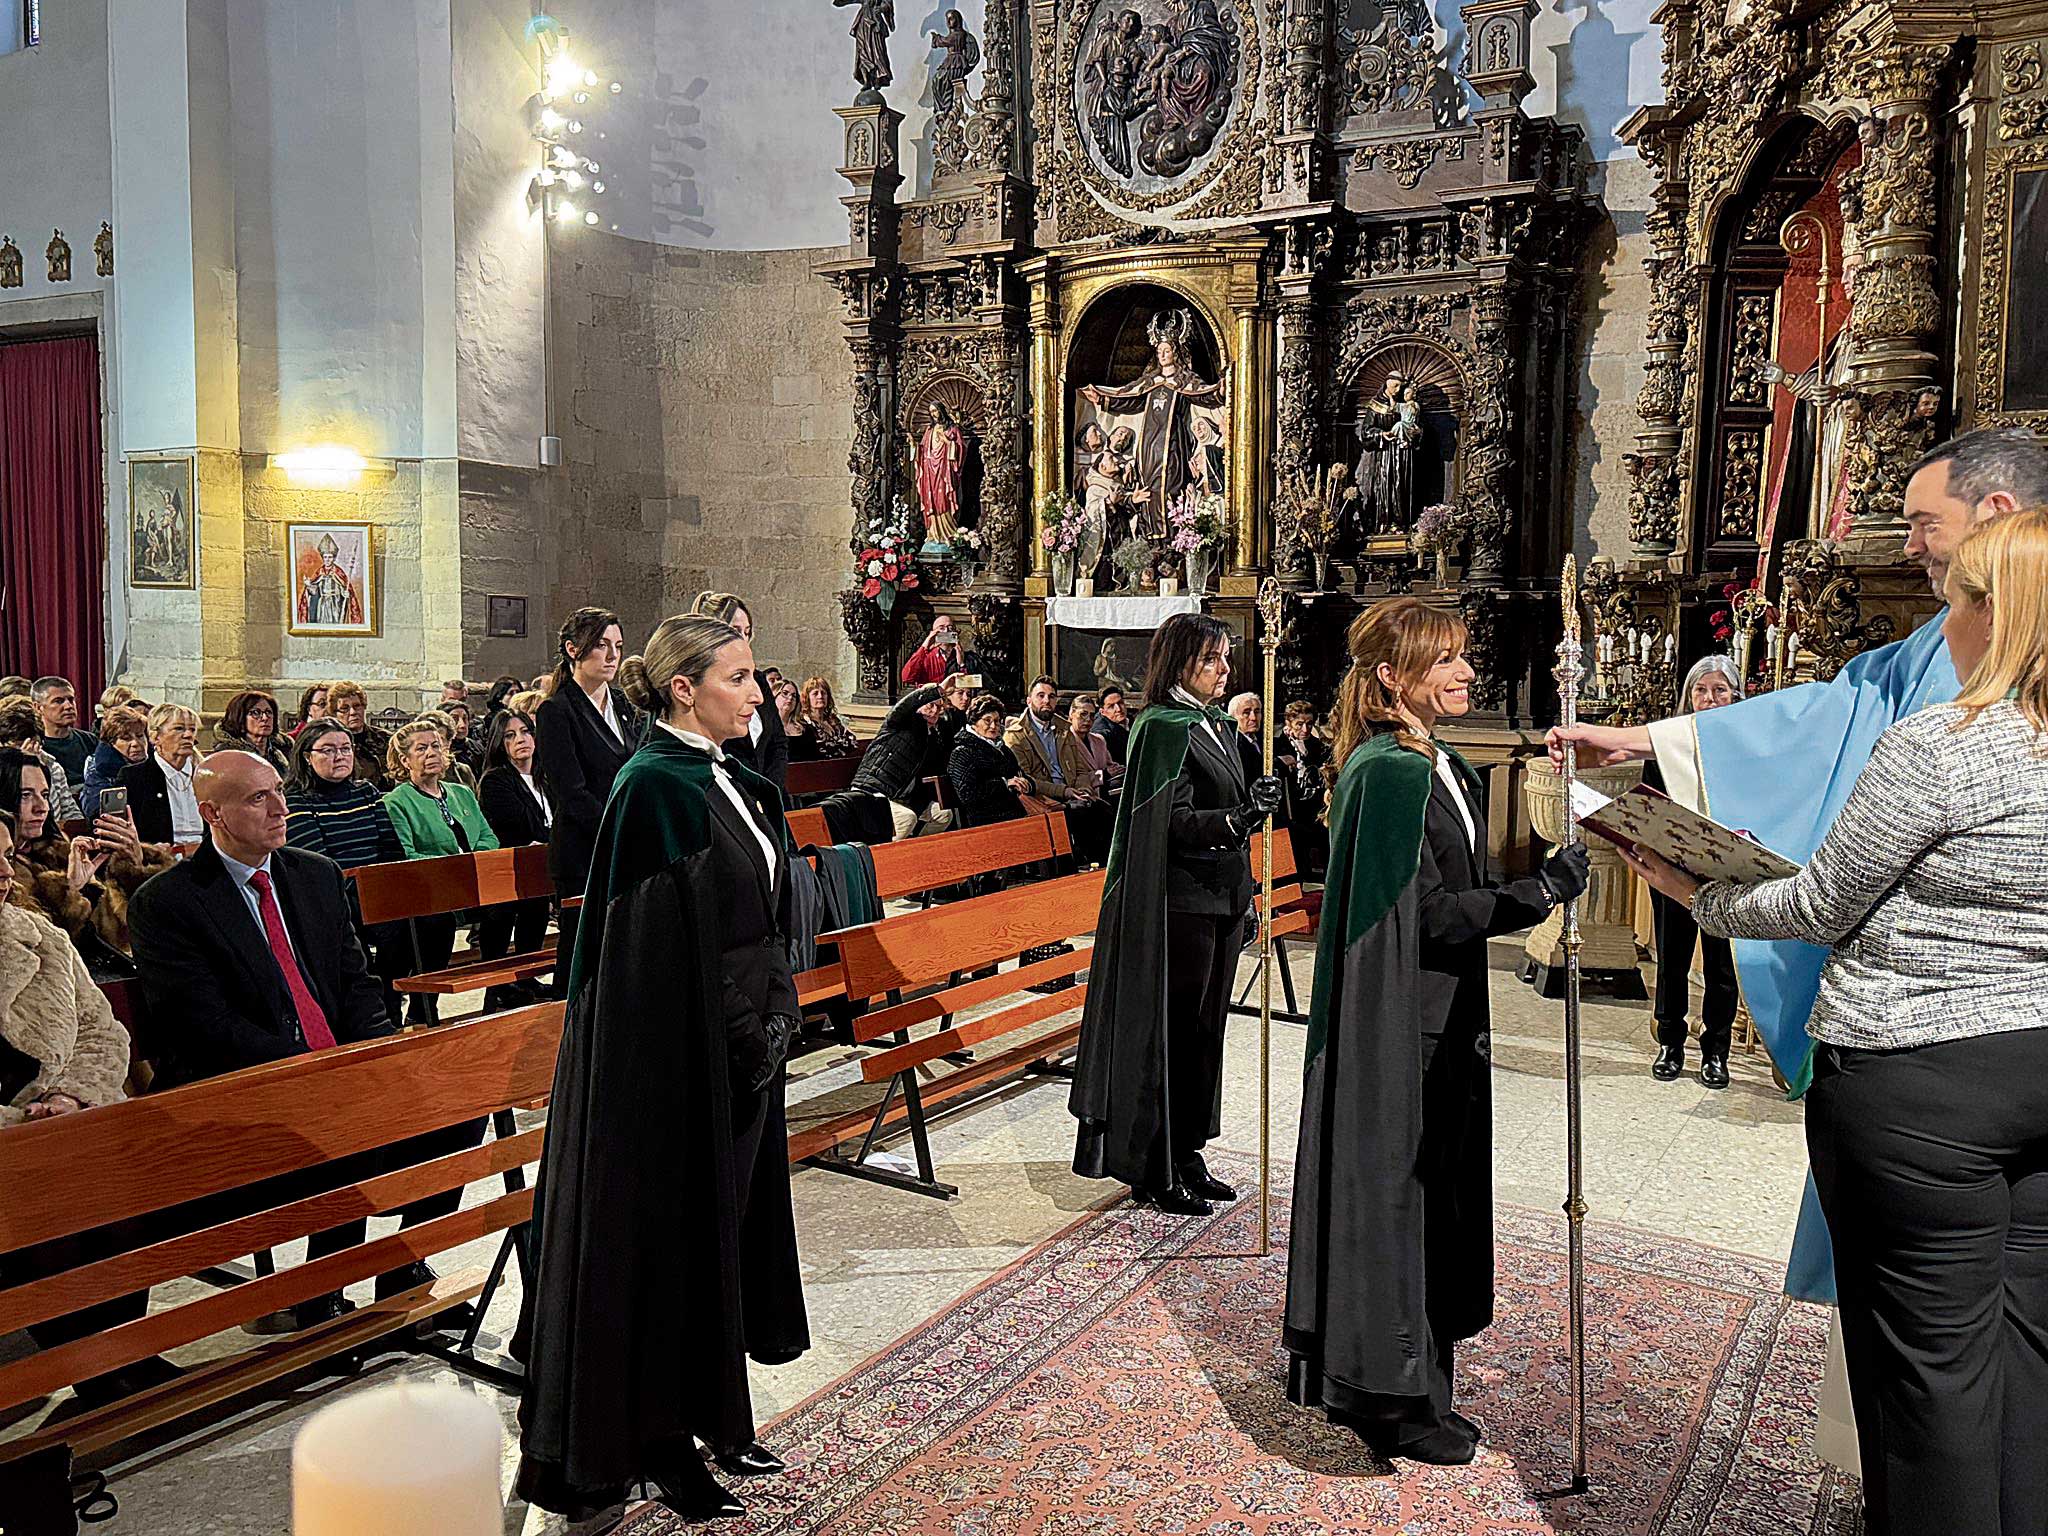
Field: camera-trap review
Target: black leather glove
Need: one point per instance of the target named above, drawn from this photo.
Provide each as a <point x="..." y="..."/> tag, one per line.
<point x="1566" y="873"/>
<point x="1266" y="797"/>
<point x="757" y="1055"/>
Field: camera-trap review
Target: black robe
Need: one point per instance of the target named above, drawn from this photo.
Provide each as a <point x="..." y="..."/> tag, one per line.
<point x="661" y="1263"/>
<point x="1121" y="1068"/>
<point x="1392" y="1245"/>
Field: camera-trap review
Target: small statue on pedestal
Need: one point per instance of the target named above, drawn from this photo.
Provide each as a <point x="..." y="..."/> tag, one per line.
<point x="872" y="25"/>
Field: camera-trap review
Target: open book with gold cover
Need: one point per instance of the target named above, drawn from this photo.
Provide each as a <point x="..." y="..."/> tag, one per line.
<point x="1704" y="849"/>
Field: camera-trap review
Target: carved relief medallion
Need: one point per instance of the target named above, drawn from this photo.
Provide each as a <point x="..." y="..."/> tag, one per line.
<point x="1156" y="91"/>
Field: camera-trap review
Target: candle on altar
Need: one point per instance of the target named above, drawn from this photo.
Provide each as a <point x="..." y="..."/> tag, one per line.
<point x="410" y="1459"/>
<point x="1670" y="649"/>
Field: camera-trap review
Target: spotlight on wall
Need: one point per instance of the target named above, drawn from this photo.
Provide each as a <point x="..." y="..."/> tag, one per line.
<point x="329" y="466"/>
<point x="563" y="169"/>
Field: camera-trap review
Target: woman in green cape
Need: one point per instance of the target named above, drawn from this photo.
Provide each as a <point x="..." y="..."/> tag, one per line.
<point x="1391" y="1258"/>
<point x="1148" y="1077"/>
<point x="664" y="1244"/>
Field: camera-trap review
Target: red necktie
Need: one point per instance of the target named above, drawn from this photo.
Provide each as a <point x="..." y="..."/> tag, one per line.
<point x="312" y="1021"/>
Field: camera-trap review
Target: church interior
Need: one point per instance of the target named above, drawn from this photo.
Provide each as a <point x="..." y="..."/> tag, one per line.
<point x="373" y="370"/>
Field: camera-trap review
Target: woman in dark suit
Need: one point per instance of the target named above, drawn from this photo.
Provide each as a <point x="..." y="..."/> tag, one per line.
<point x="1148" y="1080"/>
<point x="764" y="748"/>
<point x="162" y="817"/>
<point x="983" y="771"/>
<point x="586" y="729"/>
<point x="666" y="1247"/>
<point x="514" y="797"/>
<point x="1391" y="1262"/>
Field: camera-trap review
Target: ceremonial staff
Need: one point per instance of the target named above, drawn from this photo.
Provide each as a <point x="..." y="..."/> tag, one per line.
<point x="1272" y="607"/>
<point x="1569" y="674"/>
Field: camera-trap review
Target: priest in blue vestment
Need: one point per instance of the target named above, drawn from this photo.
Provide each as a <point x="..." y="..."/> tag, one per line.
<point x="1780" y="765"/>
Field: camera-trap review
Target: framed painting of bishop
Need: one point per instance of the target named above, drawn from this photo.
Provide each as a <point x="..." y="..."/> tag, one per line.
<point x="331" y="579"/>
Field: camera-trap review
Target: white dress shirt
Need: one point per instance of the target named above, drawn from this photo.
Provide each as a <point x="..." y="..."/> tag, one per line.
<point x="186" y="824"/>
<point x="240" y="873"/>
<point x="748" y="815"/>
<point x="1215" y="731"/>
<point x="605" y="712"/>
<point x="1449" y="775"/>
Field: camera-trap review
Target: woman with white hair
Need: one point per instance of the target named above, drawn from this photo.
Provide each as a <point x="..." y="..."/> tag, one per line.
<point x="1713" y="681"/>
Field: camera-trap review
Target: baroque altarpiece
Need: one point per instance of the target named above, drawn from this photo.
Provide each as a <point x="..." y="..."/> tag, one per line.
<point x="1187" y="294"/>
<point x="1851" y="199"/>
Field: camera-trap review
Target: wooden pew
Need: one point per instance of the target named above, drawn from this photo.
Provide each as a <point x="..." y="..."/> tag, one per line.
<point x="218" y="1140"/>
<point x="1293" y="919"/>
<point x="821" y="776"/>
<point x="933" y="949"/>
<point x="808" y="826"/>
<point x="940" y="859"/>
<point x="413" y="888"/>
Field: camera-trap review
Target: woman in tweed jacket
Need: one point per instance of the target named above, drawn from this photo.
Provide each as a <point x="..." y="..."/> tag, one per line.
<point x="1927" y="1118"/>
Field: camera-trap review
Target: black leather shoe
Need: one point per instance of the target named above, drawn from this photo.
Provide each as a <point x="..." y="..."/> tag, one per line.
<point x="1669" y="1066"/>
<point x="684" y="1485"/>
<point x="1199" y="1181"/>
<point x="1714" y="1071"/>
<point x="321" y="1309"/>
<point x="1444" y="1446"/>
<point x="1464" y="1425"/>
<point x="405" y="1278"/>
<point x="1175" y="1200"/>
<point x="756" y="1460"/>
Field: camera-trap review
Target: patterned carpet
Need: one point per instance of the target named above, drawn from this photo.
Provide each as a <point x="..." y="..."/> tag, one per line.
<point x="1125" y="1377"/>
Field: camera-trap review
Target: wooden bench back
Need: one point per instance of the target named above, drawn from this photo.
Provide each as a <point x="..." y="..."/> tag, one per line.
<point x="808" y="827"/>
<point x="455" y="883"/>
<point x="918" y="948"/>
<point x="822" y="776"/>
<point x="946" y="858"/>
<point x="217" y="1138"/>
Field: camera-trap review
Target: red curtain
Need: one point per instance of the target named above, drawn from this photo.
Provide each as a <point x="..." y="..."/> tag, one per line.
<point x="52" y="513"/>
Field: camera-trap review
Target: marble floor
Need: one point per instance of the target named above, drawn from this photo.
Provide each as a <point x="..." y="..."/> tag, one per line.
<point x="1720" y="1168"/>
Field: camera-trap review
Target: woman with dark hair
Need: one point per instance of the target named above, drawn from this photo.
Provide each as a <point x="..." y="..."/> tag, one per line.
<point x="1301" y="756"/>
<point x="499" y="699"/>
<point x="331" y="811"/>
<point x="312" y="706"/>
<point x="765" y="750"/>
<point x="803" y="741"/>
<point x="586" y="729"/>
<point x="124" y="739"/>
<point x="1391" y="1261"/>
<point x="249" y="724"/>
<point x="514" y="797"/>
<point x="665" y="1248"/>
<point x="1148" y="1079"/>
<point x="984" y="772"/>
<point x="82" y="884"/>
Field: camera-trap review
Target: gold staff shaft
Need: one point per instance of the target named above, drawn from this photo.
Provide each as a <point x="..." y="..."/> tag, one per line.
<point x="1569" y="674"/>
<point x="1270" y="610"/>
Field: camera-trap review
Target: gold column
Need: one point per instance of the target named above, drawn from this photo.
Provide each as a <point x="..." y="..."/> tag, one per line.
<point x="1251" y="427"/>
<point x="1048" y="411"/>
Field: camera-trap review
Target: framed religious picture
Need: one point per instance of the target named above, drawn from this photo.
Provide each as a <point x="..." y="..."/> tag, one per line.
<point x="505" y="618"/>
<point x="160" y="523"/>
<point x="330" y="579"/>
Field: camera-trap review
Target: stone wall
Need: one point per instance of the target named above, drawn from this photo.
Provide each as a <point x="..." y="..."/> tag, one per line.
<point x="1613" y="311"/>
<point x="703" y="402"/>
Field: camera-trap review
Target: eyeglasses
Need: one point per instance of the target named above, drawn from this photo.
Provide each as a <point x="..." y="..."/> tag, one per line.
<point x="332" y="752"/>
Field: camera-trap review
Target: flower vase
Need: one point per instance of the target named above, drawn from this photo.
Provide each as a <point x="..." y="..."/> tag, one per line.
<point x="1093" y="537"/>
<point x="1322" y="572"/>
<point x="885" y="599"/>
<point x="1063" y="572"/>
<point x="1202" y="570"/>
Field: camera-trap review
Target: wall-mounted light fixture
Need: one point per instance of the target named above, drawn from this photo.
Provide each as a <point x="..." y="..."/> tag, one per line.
<point x="330" y="466"/>
<point x="568" y="180"/>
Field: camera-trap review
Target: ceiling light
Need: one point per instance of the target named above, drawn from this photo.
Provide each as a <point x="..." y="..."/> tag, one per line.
<point x="590" y="218"/>
<point x="328" y="466"/>
<point x="565" y="211"/>
<point x="597" y="187"/>
<point x="575" y="125"/>
<point x="572" y="179"/>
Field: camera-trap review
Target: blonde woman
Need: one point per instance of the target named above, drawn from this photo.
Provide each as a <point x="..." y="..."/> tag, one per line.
<point x="1927" y="1118"/>
<point x="160" y="793"/>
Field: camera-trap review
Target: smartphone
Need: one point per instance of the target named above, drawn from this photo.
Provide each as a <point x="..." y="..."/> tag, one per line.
<point x="972" y="680"/>
<point x="114" y="802"/>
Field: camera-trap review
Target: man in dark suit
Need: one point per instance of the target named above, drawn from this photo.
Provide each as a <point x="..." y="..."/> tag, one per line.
<point x="1113" y="723"/>
<point x="246" y="954"/>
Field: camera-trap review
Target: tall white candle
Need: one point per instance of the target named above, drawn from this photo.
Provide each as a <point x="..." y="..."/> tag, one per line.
<point x="410" y="1459"/>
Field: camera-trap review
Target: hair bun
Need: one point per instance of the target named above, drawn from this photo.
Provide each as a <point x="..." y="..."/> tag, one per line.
<point x="637" y="686"/>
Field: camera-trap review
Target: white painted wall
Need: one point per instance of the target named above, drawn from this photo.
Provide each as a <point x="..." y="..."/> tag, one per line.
<point x="56" y="167"/>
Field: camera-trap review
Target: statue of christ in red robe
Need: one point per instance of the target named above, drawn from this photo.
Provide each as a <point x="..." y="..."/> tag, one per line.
<point x="941" y="467"/>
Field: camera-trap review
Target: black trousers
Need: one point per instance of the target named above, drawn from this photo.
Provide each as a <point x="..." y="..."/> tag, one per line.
<point x="1201" y="959"/>
<point x="1089" y="828"/>
<point x="511" y="928"/>
<point x="1932" y="1166"/>
<point x="1676" y="933"/>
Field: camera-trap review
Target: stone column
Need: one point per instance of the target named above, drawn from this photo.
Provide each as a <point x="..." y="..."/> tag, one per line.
<point x="1896" y="315"/>
<point x="1492" y="422"/>
<point x="1049" y="448"/>
<point x="1654" y="464"/>
<point x="1300" y="427"/>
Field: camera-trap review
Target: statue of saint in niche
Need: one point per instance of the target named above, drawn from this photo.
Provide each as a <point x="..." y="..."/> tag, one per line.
<point x="1156" y="84"/>
<point x="1165" y="399"/>
<point x="949" y="75"/>
<point x="941" y="452"/>
<point x="1386" y="466"/>
<point x="872" y="24"/>
<point x="1812" y="497"/>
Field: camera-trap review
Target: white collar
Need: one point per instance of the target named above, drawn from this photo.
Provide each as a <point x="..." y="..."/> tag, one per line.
<point x="692" y="739"/>
<point x="1190" y="700"/>
<point x="184" y="773"/>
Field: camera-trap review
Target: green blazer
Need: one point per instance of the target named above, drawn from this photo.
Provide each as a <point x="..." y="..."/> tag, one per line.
<point x="423" y="832"/>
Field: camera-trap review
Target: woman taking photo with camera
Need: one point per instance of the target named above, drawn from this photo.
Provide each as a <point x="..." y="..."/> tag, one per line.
<point x="1391" y="1258"/>
<point x="665" y="1241"/>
